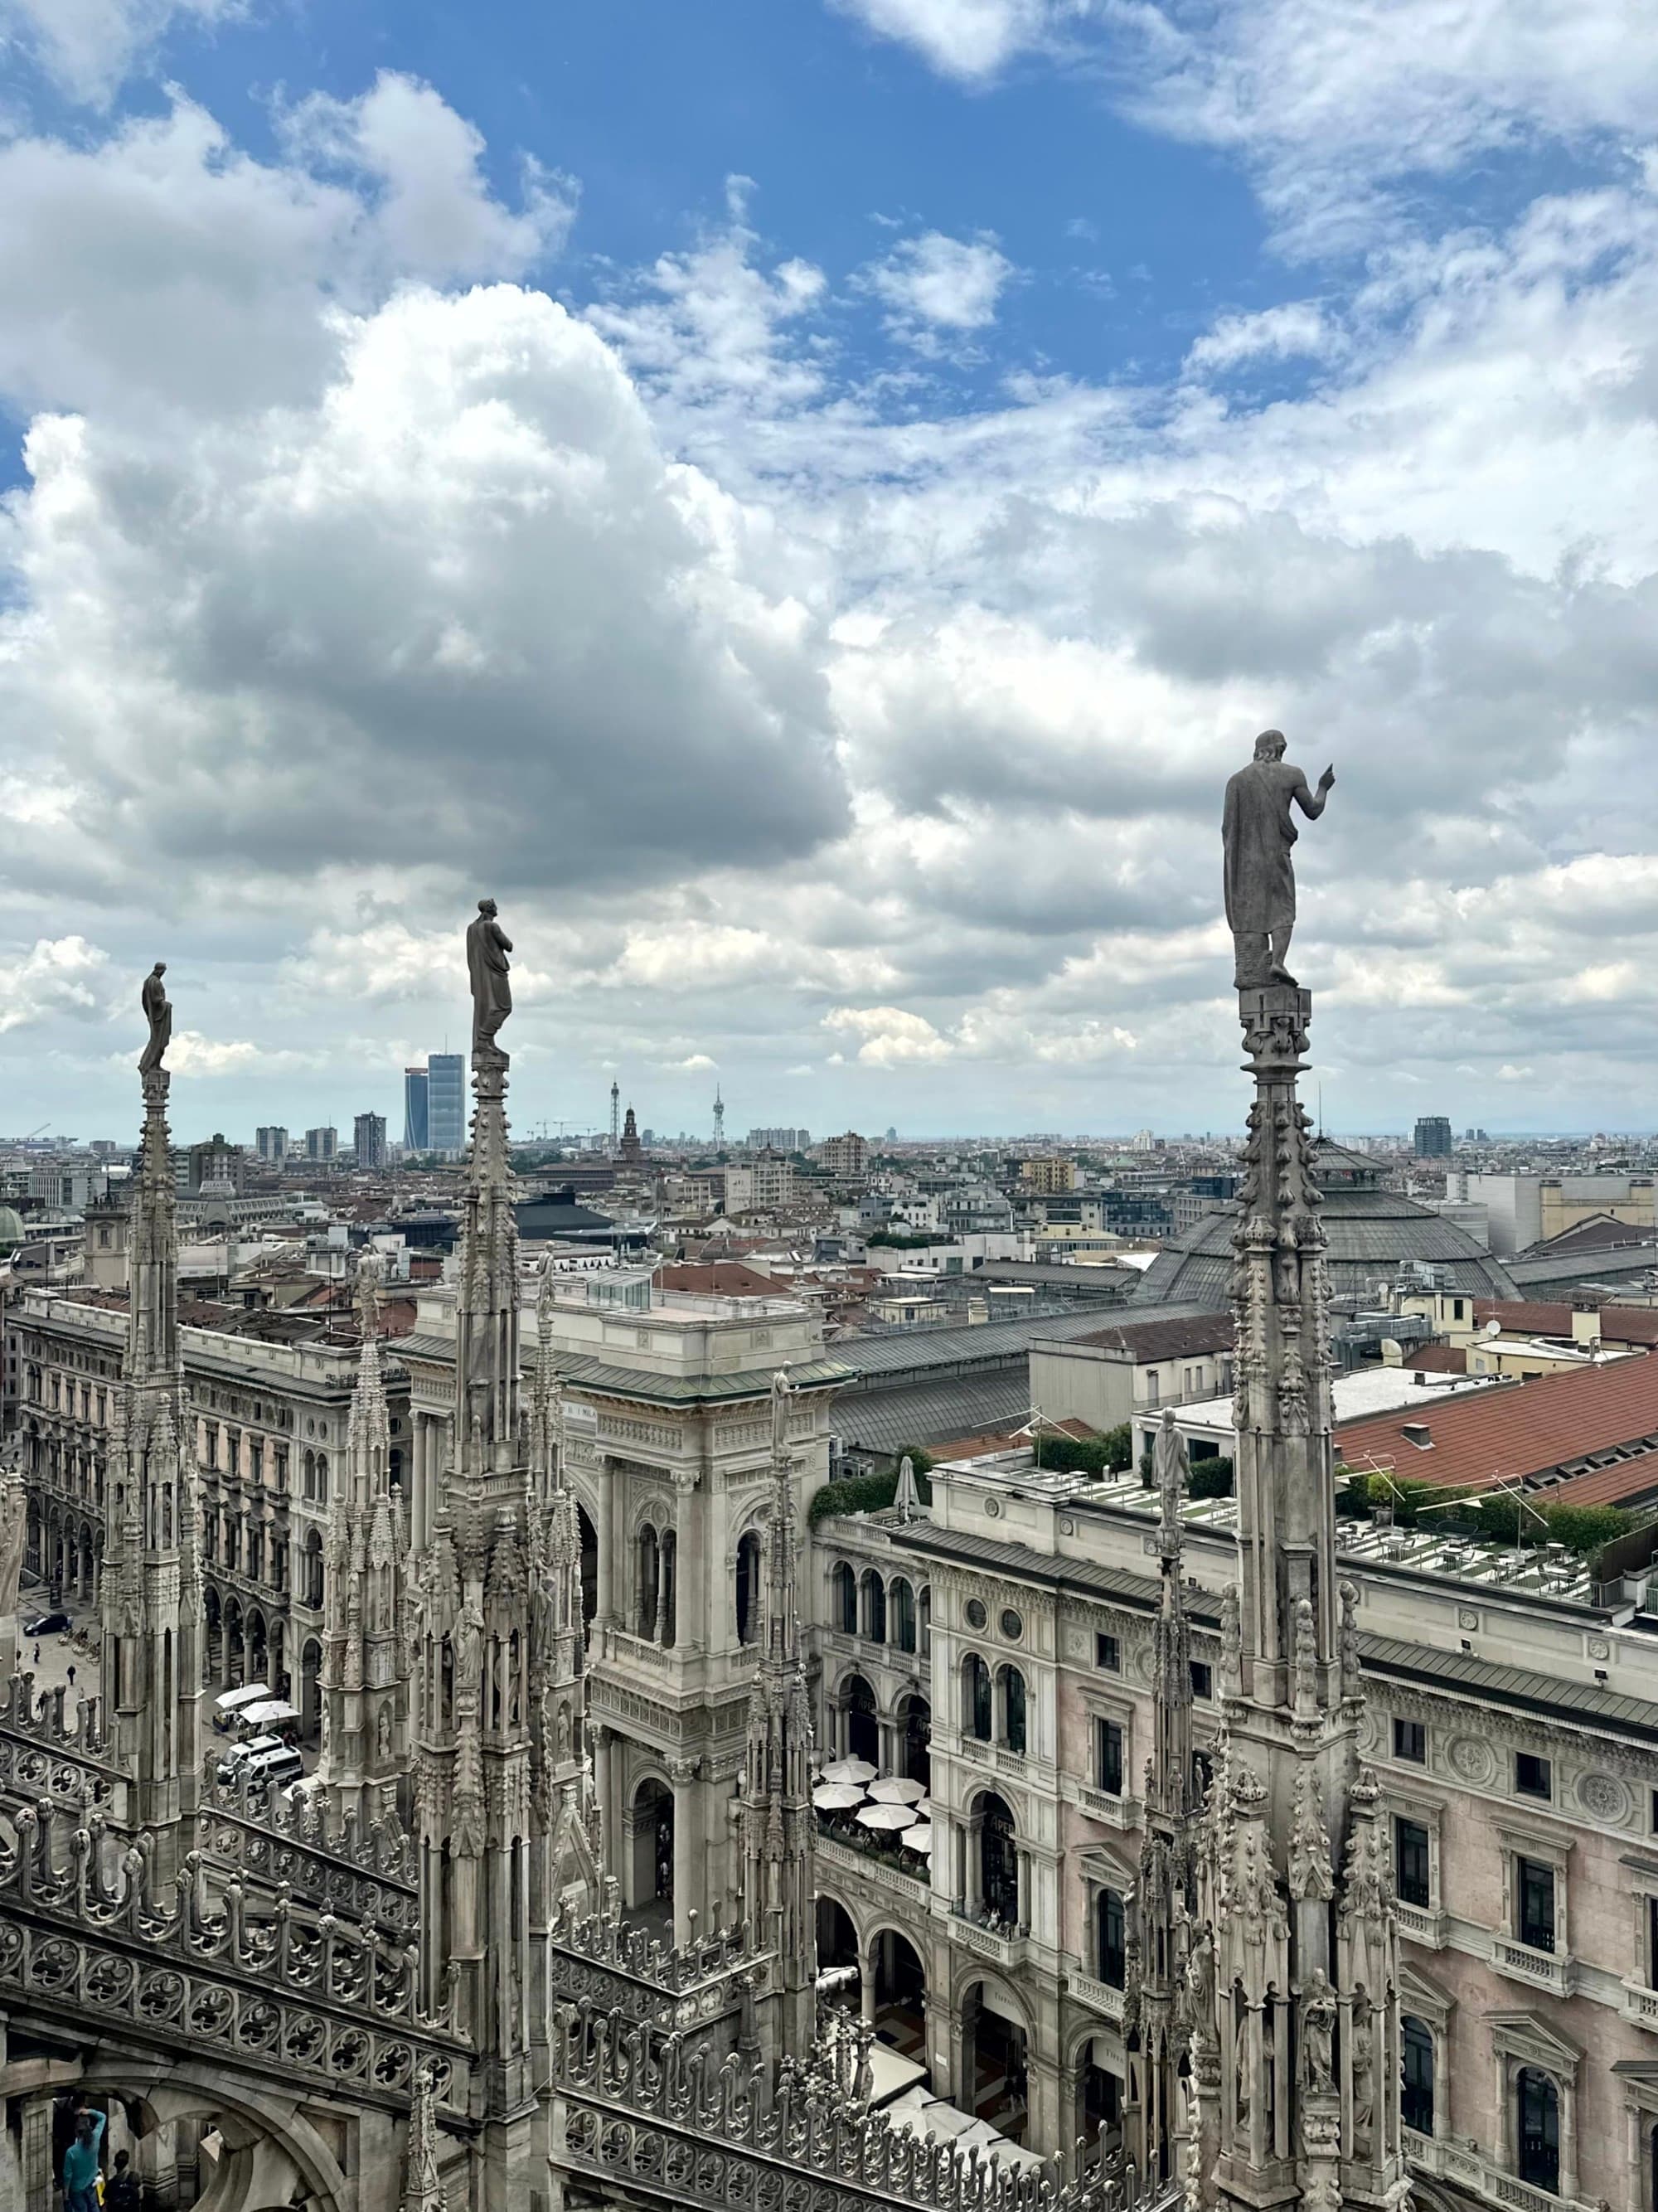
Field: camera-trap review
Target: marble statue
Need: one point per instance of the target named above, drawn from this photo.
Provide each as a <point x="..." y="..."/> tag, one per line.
<point x="1258" y="831"/>
<point x="14" y="1530"/>
<point x="487" y="947"/>
<point x="1318" y="2019"/>
<point x="1171" y="1470"/>
<point x="158" y="1013"/>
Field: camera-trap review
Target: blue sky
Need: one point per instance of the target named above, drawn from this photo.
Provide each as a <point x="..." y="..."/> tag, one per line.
<point x="807" y="502"/>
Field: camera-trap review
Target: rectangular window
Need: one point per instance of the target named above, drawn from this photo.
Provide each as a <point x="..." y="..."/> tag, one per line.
<point x="1107" y="1758"/>
<point x="1410" y="1862"/>
<point x="1113" y="1952"/>
<point x="1532" y="1777"/>
<point x="1652" y="1942"/>
<point x="1153" y="1390"/>
<point x="1410" y="1741"/>
<point x="1535" y="1901"/>
<point x="1107" y="1654"/>
<point x="1202" y="1679"/>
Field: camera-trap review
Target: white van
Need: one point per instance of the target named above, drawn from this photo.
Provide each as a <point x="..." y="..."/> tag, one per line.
<point x="281" y="1763"/>
<point x="239" y="1755"/>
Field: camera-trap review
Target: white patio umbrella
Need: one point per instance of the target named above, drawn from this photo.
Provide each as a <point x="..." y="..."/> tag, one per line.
<point x="885" y="1816"/>
<point x="896" y="1790"/>
<point x="918" y="1839"/>
<point x="837" y="1796"/>
<point x="923" y="1808"/>
<point x="849" y="1769"/>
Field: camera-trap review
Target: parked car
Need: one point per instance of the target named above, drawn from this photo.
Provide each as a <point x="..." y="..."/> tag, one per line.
<point x="49" y="1624"/>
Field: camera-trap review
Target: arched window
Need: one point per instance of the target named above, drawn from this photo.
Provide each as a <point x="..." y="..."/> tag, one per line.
<point x="976" y="1697"/>
<point x="1416" y="2102"/>
<point x="845" y="1610"/>
<point x="1110" y="1950"/>
<point x="999" y="1860"/>
<point x="650" y="1581"/>
<point x="902" y="1609"/>
<point x="1539" y="2130"/>
<point x="748" y="1588"/>
<point x="667" y="1611"/>
<point x="874" y="1607"/>
<point x="1012" y="1684"/>
<point x="322" y="1477"/>
<point x="926" y="1611"/>
<point x="314" y="1584"/>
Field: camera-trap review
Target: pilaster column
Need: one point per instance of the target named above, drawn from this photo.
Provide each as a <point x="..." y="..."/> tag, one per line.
<point x="867" y="1970"/>
<point x="605" y="1609"/>
<point x="1023" y="1865"/>
<point x="1567" y="2092"/>
<point x="36" y="2155"/>
<point x="687" y="1846"/>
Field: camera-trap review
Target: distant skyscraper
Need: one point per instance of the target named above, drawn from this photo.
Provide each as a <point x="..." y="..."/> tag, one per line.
<point x="1433" y="1137"/>
<point x="321" y="1145"/>
<point x="719" y="1119"/>
<point x="445" y="1102"/>
<point x="369" y="1141"/>
<point x="415" y="1138"/>
<point x="616" y="1109"/>
<point x="272" y="1145"/>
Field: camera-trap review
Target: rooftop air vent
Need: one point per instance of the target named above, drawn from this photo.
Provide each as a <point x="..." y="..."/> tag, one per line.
<point x="1418" y="1433"/>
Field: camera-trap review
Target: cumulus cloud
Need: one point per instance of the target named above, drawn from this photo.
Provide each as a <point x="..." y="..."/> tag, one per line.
<point x="1273" y="334"/>
<point x="970" y="40"/>
<point x="889" y="1036"/>
<point x="470" y="550"/>
<point x="60" y="976"/>
<point x="937" y="286"/>
<point x="88" y="46"/>
<point x="345" y="587"/>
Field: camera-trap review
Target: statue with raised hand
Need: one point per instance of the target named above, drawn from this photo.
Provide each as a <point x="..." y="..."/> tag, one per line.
<point x="158" y="1013"/>
<point x="487" y="947"/>
<point x="1258" y="831"/>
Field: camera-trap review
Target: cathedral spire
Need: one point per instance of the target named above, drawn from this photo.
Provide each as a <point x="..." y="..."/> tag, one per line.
<point x="778" y="1826"/>
<point x="485" y="1855"/>
<point x="364" y="1683"/>
<point x="1292" y="1976"/>
<point x="150" y="1597"/>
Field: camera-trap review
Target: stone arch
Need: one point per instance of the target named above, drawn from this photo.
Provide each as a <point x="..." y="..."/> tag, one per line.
<point x="860" y="1710"/>
<point x="843" y="1598"/>
<point x="872" y="1606"/>
<point x="235" y="1653"/>
<point x="277" y="2157"/>
<point x="745" y="1586"/>
<point x="999" y="2042"/>
<point x="213" y="1619"/>
<point x="650" y="1825"/>
<point x="258" y="1646"/>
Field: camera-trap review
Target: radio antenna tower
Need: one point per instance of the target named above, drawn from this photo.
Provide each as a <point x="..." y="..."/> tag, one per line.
<point x="616" y="1117"/>
<point x="718" y="1120"/>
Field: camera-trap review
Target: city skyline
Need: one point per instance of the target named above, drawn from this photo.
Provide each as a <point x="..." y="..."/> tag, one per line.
<point x="989" y="423"/>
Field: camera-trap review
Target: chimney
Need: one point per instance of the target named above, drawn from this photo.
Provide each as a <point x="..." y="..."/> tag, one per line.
<point x="1586" y="1324"/>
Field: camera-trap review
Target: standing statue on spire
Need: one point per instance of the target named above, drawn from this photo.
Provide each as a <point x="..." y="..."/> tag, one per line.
<point x="158" y="1013"/>
<point x="1257" y="832"/>
<point x="487" y="947"/>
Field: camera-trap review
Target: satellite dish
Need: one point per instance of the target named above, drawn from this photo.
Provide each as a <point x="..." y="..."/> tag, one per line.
<point x="1493" y="1328"/>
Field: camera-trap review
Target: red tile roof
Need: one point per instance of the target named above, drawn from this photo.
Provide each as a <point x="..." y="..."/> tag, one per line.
<point x="1621" y="1484"/>
<point x="1549" y="1317"/>
<point x="1436" y="1359"/>
<point x="1152" y="1339"/>
<point x="1516" y="1429"/>
<point x="727" y="1278"/>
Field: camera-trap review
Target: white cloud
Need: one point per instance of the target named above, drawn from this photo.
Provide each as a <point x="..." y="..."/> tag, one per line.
<point x="435" y="212"/>
<point x="60" y="976"/>
<point x="1274" y="334"/>
<point x="88" y="46"/>
<point x="936" y="284"/>
<point x="972" y="39"/>
<point x="1332" y="102"/>
<point x="891" y="1037"/>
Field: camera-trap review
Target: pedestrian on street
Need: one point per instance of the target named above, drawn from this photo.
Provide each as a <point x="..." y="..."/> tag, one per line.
<point x="37" y="1655"/>
<point x="81" y="2162"/>
<point x="71" y="1675"/>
